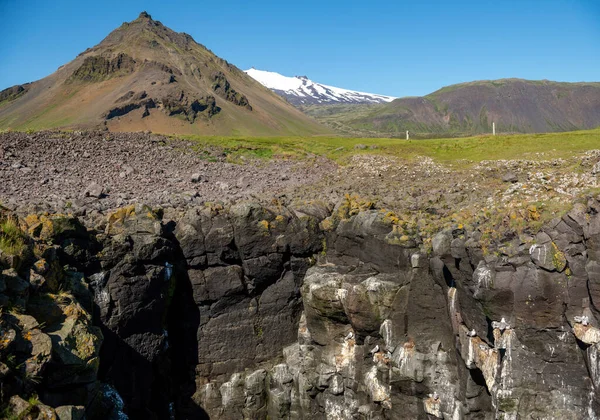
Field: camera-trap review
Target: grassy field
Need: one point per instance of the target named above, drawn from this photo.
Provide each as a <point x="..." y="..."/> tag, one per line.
<point x="463" y="151"/>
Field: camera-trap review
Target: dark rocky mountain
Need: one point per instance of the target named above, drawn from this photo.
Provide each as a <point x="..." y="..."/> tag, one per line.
<point x="515" y="105"/>
<point x="144" y="76"/>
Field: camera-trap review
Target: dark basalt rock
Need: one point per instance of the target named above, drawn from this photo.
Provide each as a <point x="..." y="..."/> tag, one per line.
<point x="132" y="305"/>
<point x="132" y="96"/>
<point x="151" y="64"/>
<point x="383" y="333"/>
<point x="13" y="92"/>
<point x="222" y="88"/>
<point x="188" y="107"/>
<point x="97" y="68"/>
<point x="256" y="312"/>
<point x="119" y="111"/>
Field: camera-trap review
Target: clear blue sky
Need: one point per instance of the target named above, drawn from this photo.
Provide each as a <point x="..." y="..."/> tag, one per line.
<point x="391" y="47"/>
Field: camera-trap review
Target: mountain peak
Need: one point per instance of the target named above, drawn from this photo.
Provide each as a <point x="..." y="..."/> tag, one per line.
<point x="143" y="33"/>
<point x="144" y="15"/>
<point x="300" y="90"/>
<point x="144" y="75"/>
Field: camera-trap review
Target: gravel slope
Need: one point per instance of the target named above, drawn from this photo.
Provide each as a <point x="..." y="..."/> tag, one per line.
<point x="57" y="170"/>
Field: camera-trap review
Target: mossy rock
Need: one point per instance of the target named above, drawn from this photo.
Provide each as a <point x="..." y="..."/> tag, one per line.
<point x="75" y="344"/>
<point x="139" y="218"/>
<point x="399" y="236"/>
<point x="97" y="68"/>
<point x="351" y="205"/>
<point x="507" y="405"/>
<point x="558" y="258"/>
<point x="53" y="228"/>
<point x="116" y="219"/>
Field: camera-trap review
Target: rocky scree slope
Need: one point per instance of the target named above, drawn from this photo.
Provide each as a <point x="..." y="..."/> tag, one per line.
<point x="76" y="172"/>
<point x="91" y="172"/>
<point x="277" y="312"/>
<point x="144" y="76"/>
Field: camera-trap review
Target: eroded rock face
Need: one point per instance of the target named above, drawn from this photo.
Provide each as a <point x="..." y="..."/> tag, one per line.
<point x="13" y="92"/>
<point x="49" y="345"/>
<point x="222" y="88"/>
<point x="273" y="312"/>
<point x="387" y="332"/>
<point x="245" y="269"/>
<point x="132" y="293"/>
<point x="96" y="68"/>
<point x="189" y="107"/>
<point x="185" y="302"/>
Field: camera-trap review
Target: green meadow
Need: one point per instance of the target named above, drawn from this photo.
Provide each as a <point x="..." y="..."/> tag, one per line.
<point x="458" y="151"/>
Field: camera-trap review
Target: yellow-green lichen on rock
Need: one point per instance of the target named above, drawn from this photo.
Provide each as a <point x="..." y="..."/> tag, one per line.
<point x="50" y="228"/>
<point x="558" y="258"/>
<point x="76" y="342"/>
<point x="351" y="205"/>
<point x="138" y="218"/>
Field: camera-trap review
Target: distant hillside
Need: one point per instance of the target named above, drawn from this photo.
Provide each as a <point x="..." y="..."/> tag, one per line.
<point x="144" y="76"/>
<point x="515" y="105"/>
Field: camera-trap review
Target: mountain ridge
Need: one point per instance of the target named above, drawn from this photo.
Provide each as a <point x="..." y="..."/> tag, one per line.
<point x="514" y="105"/>
<point x="300" y="90"/>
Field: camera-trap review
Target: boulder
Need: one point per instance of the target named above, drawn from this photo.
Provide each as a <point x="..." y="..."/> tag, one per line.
<point x="94" y="190"/>
<point x="441" y="244"/>
<point x="18" y="408"/>
<point x="510" y="177"/>
<point x="15" y="285"/>
<point x="76" y="348"/>
<point x="70" y="412"/>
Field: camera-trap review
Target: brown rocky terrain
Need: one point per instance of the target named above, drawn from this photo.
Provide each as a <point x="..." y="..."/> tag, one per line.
<point x="150" y="276"/>
<point x="75" y="171"/>
<point x="82" y="172"/>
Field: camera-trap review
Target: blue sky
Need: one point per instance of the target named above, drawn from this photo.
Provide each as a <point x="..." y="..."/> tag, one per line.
<point x="398" y="48"/>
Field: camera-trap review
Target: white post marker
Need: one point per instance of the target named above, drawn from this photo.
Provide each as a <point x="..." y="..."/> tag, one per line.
<point x="494" y="128"/>
<point x="406" y="134"/>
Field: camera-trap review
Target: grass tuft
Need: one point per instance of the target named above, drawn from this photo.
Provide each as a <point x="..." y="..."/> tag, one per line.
<point x="12" y="238"/>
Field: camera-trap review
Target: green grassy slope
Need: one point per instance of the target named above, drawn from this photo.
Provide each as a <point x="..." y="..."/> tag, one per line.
<point x="459" y="151"/>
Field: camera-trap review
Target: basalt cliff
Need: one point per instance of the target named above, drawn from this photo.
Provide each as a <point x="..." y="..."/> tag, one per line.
<point x="289" y="312"/>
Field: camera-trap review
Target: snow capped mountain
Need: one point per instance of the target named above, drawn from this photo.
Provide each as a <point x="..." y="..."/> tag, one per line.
<point x="300" y="90"/>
